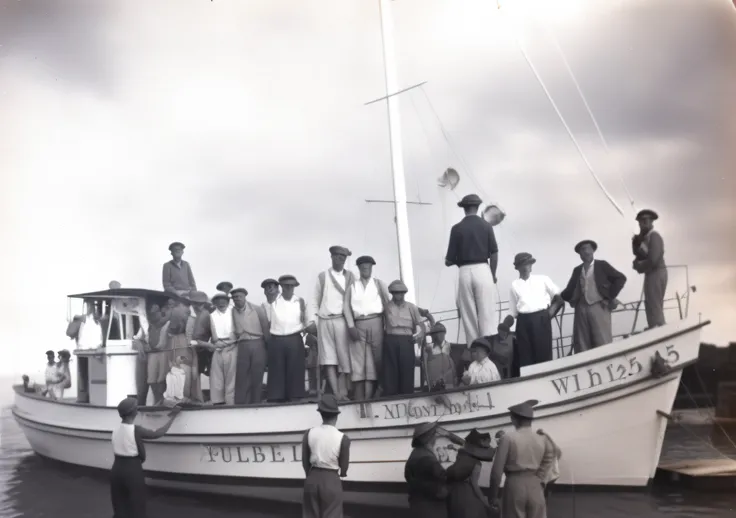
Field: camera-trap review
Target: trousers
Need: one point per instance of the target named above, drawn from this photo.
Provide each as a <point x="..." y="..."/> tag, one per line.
<point x="128" y="488"/>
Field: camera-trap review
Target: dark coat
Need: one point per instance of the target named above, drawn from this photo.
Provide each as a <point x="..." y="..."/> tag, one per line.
<point x="427" y="481"/>
<point x="608" y="280"/>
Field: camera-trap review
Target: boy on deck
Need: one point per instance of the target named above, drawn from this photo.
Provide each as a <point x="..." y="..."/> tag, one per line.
<point x="482" y="370"/>
<point x="440" y="367"/>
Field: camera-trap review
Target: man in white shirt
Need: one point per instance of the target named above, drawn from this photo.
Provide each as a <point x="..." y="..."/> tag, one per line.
<point x="224" y="357"/>
<point x="363" y="309"/>
<point x="530" y="301"/>
<point x="271" y="291"/>
<point x="286" y="361"/>
<point x="327" y="321"/>
<point x="482" y="369"/>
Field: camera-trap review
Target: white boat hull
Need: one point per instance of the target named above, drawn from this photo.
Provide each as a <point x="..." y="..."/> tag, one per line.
<point x="602" y="407"/>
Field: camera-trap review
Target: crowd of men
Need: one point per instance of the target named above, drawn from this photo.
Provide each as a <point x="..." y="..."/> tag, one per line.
<point x="361" y="334"/>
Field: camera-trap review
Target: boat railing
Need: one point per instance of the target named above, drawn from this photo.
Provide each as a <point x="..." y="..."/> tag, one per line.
<point x="628" y="317"/>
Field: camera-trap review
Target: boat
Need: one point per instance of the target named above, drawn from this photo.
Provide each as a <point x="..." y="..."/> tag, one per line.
<point x="606" y="408"/>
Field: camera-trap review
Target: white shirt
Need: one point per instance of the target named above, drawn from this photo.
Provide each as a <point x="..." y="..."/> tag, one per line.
<point x="52" y="374"/>
<point x="324" y="447"/>
<point x="531" y="295"/>
<point x="222" y="323"/>
<point x="90" y="334"/>
<point x="286" y="316"/>
<point x="123" y="441"/>
<point x="365" y="299"/>
<point x="332" y="299"/>
<point x="483" y="371"/>
<point x="175" y="380"/>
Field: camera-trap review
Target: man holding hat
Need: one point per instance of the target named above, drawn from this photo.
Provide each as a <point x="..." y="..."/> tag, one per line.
<point x="327" y="321"/>
<point x="286" y="361"/>
<point x="177" y="275"/>
<point x="648" y="248"/>
<point x="530" y="300"/>
<point x="473" y="249"/>
<point x="363" y="307"/>
<point x="526" y="458"/>
<point x="404" y="328"/>
<point x="592" y="291"/>
<point x="127" y="481"/>
<point x="325" y="458"/>
<point x="224" y="356"/>
<point x="251" y="330"/>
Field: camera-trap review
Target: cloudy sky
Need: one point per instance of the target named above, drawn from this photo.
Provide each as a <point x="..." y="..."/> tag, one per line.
<point x="240" y="129"/>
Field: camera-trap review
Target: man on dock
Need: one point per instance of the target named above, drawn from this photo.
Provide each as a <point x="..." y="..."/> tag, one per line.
<point x="177" y="275"/>
<point x="365" y="300"/>
<point x="325" y="458"/>
<point x="648" y="248"/>
<point x="473" y="249"/>
<point x="530" y="301"/>
<point x="327" y="321"/>
<point x="592" y="291"/>
<point x="252" y="331"/>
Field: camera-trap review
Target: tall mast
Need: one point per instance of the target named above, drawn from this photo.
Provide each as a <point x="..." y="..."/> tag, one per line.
<point x="397" y="156"/>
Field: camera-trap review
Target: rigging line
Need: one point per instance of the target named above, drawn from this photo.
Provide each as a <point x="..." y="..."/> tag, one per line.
<point x="567" y="128"/>
<point x="556" y="43"/>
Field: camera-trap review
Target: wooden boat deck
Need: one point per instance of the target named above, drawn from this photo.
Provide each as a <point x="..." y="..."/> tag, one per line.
<point x="701" y="474"/>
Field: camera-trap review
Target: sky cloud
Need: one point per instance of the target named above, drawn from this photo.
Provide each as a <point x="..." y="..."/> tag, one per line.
<point x="240" y="129"/>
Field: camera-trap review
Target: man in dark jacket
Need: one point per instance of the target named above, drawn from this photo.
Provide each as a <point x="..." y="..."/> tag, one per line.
<point x="592" y="291"/>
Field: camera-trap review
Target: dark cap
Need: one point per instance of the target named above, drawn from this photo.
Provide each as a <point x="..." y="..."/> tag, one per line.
<point x="176" y="244"/>
<point x="328" y="405"/>
<point x="471" y="200"/>
<point x="50" y="352"/>
<point x="397" y="287"/>
<point x="525" y="409"/>
<point x="481" y="342"/>
<point x="439" y="327"/>
<point x="224" y="286"/>
<point x="288" y="280"/>
<point x="220" y="295"/>
<point x="268" y="281"/>
<point x="239" y="290"/>
<point x="340" y="250"/>
<point x="364" y="259"/>
<point x="523" y="258"/>
<point x="127" y="406"/>
<point x="647" y="213"/>
<point x="584" y="242"/>
<point x="198" y="297"/>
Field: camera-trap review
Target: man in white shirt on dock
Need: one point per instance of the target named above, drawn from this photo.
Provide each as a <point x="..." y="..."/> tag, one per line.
<point x="327" y="321"/>
<point x="532" y="299"/>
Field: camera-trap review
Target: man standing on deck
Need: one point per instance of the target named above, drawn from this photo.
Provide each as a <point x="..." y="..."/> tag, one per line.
<point x="473" y="249"/>
<point x="327" y="321"/>
<point x="271" y="289"/>
<point x="648" y="248"/>
<point x="530" y="301"/>
<point x="177" y="275"/>
<point x="224" y="352"/>
<point x="365" y="301"/>
<point x="252" y="331"/>
<point x="592" y="291"/>
<point x="325" y="459"/>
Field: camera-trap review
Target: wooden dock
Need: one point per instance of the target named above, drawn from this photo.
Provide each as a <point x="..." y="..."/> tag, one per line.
<point x="702" y="474"/>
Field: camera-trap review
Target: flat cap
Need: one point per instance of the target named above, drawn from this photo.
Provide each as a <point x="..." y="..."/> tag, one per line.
<point x="397" y="287"/>
<point x="340" y="250"/>
<point x="288" y="280"/>
<point x="423" y="429"/>
<point x="50" y="352"/>
<point x="647" y="213"/>
<point x="439" y="327"/>
<point x="239" y="290"/>
<point x="365" y="259"/>
<point x="471" y="200"/>
<point x="584" y="242"/>
<point x="524" y="258"/>
<point x="198" y="297"/>
<point x="481" y="342"/>
<point x="127" y="406"/>
<point x="328" y="404"/>
<point x="525" y="409"/>
<point x="268" y="281"/>
<point x="176" y="244"/>
<point x="220" y="295"/>
<point x="224" y="286"/>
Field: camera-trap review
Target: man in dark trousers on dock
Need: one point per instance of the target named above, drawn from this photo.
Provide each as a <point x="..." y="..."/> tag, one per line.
<point x="325" y="458"/>
<point x="592" y="291"/>
<point x="473" y="249"/>
<point x="648" y="248"/>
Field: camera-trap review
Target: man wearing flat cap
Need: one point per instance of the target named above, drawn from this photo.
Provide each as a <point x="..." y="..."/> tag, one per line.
<point x="224" y="349"/>
<point x="365" y="300"/>
<point x="252" y="331"/>
<point x="648" y="248"/>
<point x="286" y="361"/>
<point x="473" y="249"/>
<point x="526" y="458"/>
<point x="177" y="275"/>
<point x="531" y="300"/>
<point x="591" y="292"/>
<point x="327" y="321"/>
<point x="271" y="290"/>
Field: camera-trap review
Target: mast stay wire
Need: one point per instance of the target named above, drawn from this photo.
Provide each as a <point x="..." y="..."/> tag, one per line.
<point x="564" y="122"/>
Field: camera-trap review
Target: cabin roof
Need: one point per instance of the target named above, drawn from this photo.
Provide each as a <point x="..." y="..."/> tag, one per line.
<point x="127" y="292"/>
